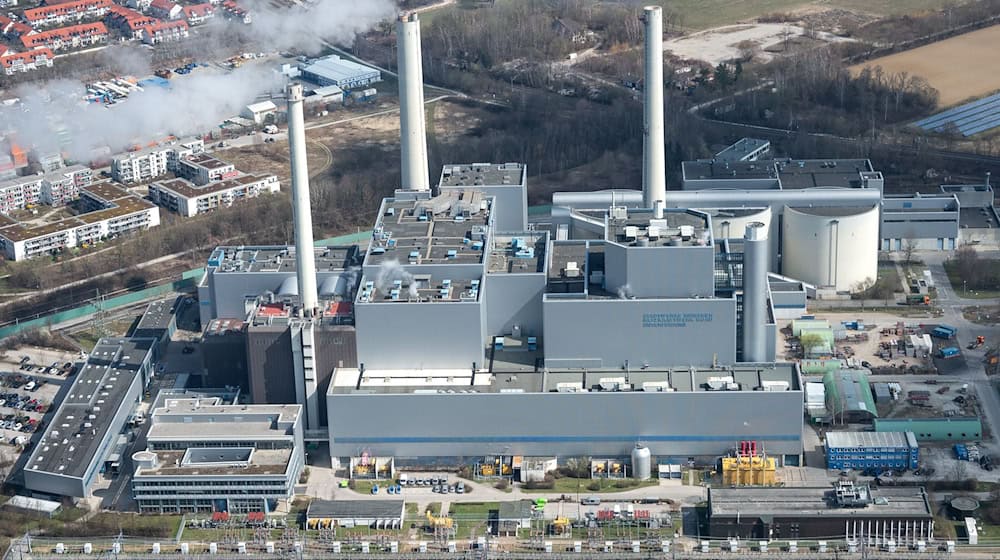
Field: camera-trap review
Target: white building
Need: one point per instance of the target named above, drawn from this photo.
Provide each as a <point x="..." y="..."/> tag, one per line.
<point x="141" y="166"/>
<point x="183" y="149"/>
<point x="165" y="32"/>
<point x="67" y="12"/>
<point x="203" y="168"/>
<point x="188" y="199"/>
<point x="258" y="112"/>
<point x="19" y="192"/>
<point x="205" y="456"/>
<point x="115" y="212"/>
<point x="63" y="185"/>
<point x="13" y="63"/>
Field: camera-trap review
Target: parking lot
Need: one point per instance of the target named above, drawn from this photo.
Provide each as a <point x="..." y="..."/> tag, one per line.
<point x="30" y="381"/>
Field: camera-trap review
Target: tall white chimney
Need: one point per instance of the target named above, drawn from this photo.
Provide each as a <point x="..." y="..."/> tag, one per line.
<point x="755" y="255"/>
<point x="305" y="257"/>
<point x="654" y="176"/>
<point x="412" y="129"/>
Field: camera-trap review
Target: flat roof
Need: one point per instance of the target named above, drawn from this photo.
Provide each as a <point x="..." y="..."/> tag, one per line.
<point x="687" y="228"/>
<point x="482" y="175"/>
<point x="450" y="228"/>
<point x="258" y="462"/>
<point x="73" y="437"/>
<point x="897" y="440"/>
<point x="205" y="160"/>
<point x="120" y="203"/>
<point x="750" y="377"/>
<point x="978" y="218"/>
<point x="187" y="189"/>
<point x="832" y="211"/>
<point x="191" y="420"/>
<point x="724" y="169"/>
<point x="810" y="173"/>
<point x="158" y="315"/>
<point x="517" y="253"/>
<point x="404" y="287"/>
<point x="281" y="258"/>
<point x="897" y="501"/>
<point x="355" y="509"/>
<point x="741" y="149"/>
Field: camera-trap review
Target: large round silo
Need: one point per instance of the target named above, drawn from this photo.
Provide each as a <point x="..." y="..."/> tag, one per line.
<point x="642" y="462"/>
<point x="830" y="247"/>
<point x="731" y="223"/>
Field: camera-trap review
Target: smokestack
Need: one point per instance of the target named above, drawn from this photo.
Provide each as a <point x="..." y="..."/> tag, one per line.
<point x="755" y="255"/>
<point x="412" y="133"/>
<point x="654" y="177"/>
<point x="305" y="257"/>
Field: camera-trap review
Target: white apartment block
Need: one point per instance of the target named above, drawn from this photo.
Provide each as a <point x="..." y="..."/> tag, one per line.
<point x="19" y="192"/>
<point x="188" y="199"/>
<point x="116" y="212"/>
<point x="141" y="166"/>
<point x="63" y="185"/>
<point x="184" y="149"/>
<point x="202" y="169"/>
<point x="67" y="12"/>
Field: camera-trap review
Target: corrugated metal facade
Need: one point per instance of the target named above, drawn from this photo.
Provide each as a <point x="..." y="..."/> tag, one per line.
<point x="934" y="429"/>
<point x="871" y="450"/>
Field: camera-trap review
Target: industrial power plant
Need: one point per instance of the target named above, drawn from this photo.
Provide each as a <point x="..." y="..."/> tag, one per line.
<point x="625" y="318"/>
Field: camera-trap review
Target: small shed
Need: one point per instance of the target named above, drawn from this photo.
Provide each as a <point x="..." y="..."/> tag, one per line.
<point x="513" y="516"/>
<point x="34" y="506"/>
<point x="377" y="514"/>
<point x="258" y="112"/>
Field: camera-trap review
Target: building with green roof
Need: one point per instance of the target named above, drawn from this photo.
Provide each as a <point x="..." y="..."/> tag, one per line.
<point x="849" y="396"/>
<point x="956" y="428"/>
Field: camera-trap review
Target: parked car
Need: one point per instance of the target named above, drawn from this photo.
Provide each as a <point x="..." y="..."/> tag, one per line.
<point x="591" y="501"/>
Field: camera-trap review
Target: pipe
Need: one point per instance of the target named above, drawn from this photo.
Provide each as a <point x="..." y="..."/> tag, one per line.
<point x="412" y="128"/>
<point x="305" y="257"/>
<point x="654" y="177"/>
<point x="724" y="198"/>
<point x="755" y="267"/>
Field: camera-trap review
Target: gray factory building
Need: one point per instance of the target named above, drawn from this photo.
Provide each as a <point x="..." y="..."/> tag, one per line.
<point x="460" y="413"/>
<point x="81" y="435"/>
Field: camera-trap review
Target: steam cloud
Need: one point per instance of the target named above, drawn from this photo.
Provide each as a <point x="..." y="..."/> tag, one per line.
<point x="390" y="271"/>
<point x="52" y="116"/>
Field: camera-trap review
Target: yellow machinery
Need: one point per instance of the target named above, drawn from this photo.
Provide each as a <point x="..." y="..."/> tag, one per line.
<point x="561" y="526"/>
<point x="616" y="469"/>
<point x="317" y="524"/>
<point x="438" y="522"/>
<point x="506" y="470"/>
<point x="748" y="468"/>
<point x="487" y="469"/>
<point x="362" y="471"/>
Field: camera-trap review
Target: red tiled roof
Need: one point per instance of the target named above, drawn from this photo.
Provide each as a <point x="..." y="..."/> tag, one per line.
<point x="198" y="10"/>
<point x="27" y="57"/>
<point x="135" y="24"/>
<point x="35" y="14"/>
<point x="165" y="26"/>
<point x="165" y="5"/>
<point x="82" y="30"/>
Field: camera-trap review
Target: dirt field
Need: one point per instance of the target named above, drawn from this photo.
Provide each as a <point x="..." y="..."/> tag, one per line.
<point x="721" y="43"/>
<point x="961" y="68"/>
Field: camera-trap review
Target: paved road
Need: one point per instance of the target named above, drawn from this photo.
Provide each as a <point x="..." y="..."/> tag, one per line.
<point x="973" y="372"/>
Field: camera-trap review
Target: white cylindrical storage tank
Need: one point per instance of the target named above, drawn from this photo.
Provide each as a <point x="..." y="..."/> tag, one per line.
<point x="88" y="548"/>
<point x="156" y="548"/>
<point x="642" y="462"/>
<point x="213" y="548"/>
<point x="830" y="247"/>
<point x="731" y="223"/>
<point x="185" y="548"/>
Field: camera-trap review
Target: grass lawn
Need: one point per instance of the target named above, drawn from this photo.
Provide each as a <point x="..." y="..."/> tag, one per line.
<point x="960" y="288"/>
<point x="568" y="485"/>
<point x="469" y="510"/>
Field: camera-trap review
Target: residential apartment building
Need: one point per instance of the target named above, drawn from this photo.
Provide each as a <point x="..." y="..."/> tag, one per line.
<point x="113" y="211"/>
<point x="202" y="169"/>
<point x="198" y="14"/>
<point x="26" y="61"/>
<point x="67" y="12"/>
<point x="204" y="456"/>
<point x="19" y="192"/>
<point x="165" y="32"/>
<point x="141" y="166"/>
<point x="62" y="38"/>
<point x="165" y="9"/>
<point x="63" y="185"/>
<point x="184" y="149"/>
<point x="188" y="199"/>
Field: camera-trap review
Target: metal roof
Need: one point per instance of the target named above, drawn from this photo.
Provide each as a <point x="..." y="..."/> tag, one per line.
<point x="815" y="502"/>
<point x="849" y="391"/>
<point x="338" y="69"/>
<point x="898" y="440"/>
<point x="355" y="509"/>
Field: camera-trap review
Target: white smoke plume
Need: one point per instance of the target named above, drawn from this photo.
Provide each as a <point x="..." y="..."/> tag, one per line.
<point x="53" y="115"/>
<point x="390" y="271"/>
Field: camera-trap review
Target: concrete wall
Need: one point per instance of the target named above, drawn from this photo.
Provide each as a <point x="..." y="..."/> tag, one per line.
<point x="510" y="207"/>
<point x="336" y="347"/>
<point x="269" y="357"/>
<point x="677" y="272"/>
<point x="563" y="424"/>
<point x="514" y="299"/>
<point x="403" y="335"/>
<point x="658" y="332"/>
